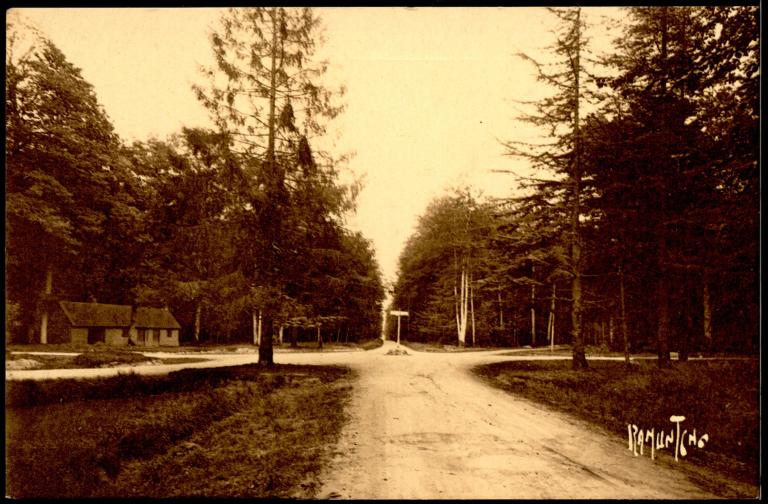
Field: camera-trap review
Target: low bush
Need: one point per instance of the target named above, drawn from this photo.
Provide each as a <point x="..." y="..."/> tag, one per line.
<point x="102" y="358"/>
<point x="371" y="344"/>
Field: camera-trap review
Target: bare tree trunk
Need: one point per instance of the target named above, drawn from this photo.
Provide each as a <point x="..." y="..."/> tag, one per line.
<point x="501" y="313"/>
<point x="662" y="293"/>
<point x="682" y="351"/>
<point x="551" y="328"/>
<point x="46" y="299"/>
<point x="662" y="331"/>
<point x="472" y="308"/>
<point x="533" y="308"/>
<point x="707" y="307"/>
<point x="610" y="330"/>
<point x="254" y="320"/>
<point x="198" y="315"/>
<point x="280" y="337"/>
<point x="462" y="305"/>
<point x="319" y="337"/>
<point x="457" y="305"/>
<point x="624" y="332"/>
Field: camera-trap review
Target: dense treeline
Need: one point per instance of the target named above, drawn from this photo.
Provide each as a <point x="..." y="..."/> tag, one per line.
<point x="640" y="229"/>
<point x="224" y="226"/>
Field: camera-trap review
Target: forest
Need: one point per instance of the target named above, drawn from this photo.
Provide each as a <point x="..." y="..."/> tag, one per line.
<point x="639" y="228"/>
<point x="224" y="226"/>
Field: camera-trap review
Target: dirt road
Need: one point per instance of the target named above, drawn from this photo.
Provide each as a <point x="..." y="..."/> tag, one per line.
<point x="422" y="426"/>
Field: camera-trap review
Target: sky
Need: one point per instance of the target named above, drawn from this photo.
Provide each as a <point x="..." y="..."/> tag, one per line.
<point x="431" y="92"/>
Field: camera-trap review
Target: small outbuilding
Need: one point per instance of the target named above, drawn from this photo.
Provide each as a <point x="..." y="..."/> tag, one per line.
<point x="117" y="325"/>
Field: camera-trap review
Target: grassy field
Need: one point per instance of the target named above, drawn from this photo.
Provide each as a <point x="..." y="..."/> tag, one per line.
<point x="719" y="398"/>
<point x="227" y="432"/>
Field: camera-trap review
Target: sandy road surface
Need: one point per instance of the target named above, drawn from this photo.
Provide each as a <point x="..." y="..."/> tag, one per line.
<point x="423" y="426"/>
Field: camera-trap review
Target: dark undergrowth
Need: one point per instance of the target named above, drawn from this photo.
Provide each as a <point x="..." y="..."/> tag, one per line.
<point x="371" y="344"/>
<point x="720" y="398"/>
<point x="242" y="431"/>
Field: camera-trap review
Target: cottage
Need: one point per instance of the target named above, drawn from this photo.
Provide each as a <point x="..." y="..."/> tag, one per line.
<point x="118" y="325"/>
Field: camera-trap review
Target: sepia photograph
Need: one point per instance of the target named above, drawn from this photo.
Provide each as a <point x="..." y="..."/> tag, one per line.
<point x="383" y="252"/>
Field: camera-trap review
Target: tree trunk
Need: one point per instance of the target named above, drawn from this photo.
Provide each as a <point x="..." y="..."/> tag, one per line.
<point x="662" y="331"/>
<point x="255" y="326"/>
<point x="533" y="308"/>
<point x="280" y="337"/>
<point x="610" y="330"/>
<point x="624" y="332"/>
<point x="198" y="315"/>
<point x="294" y="337"/>
<point x="319" y="337"/>
<point x="501" y="314"/>
<point x="552" y="317"/>
<point x="265" y="346"/>
<point x="472" y="308"/>
<point x="707" y="315"/>
<point x="46" y="299"/>
<point x="682" y="351"/>
<point x="461" y="308"/>
<point x="457" y="308"/>
<point x="579" y="358"/>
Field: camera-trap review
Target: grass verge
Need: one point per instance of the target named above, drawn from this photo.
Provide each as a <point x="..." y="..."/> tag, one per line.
<point x="228" y="432"/>
<point x="719" y="398"/>
<point x="439" y="347"/>
<point x="91" y="359"/>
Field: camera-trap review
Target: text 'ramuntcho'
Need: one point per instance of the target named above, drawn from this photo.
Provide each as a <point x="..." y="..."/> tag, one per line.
<point x="661" y="440"/>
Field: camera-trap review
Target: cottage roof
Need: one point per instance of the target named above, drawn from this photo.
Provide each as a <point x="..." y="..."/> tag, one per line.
<point x="111" y="315"/>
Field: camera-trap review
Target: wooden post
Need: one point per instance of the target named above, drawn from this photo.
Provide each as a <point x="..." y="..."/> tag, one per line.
<point x="398" y="314"/>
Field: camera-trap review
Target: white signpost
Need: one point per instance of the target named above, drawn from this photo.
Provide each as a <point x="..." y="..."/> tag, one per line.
<point x="398" y="314"/>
